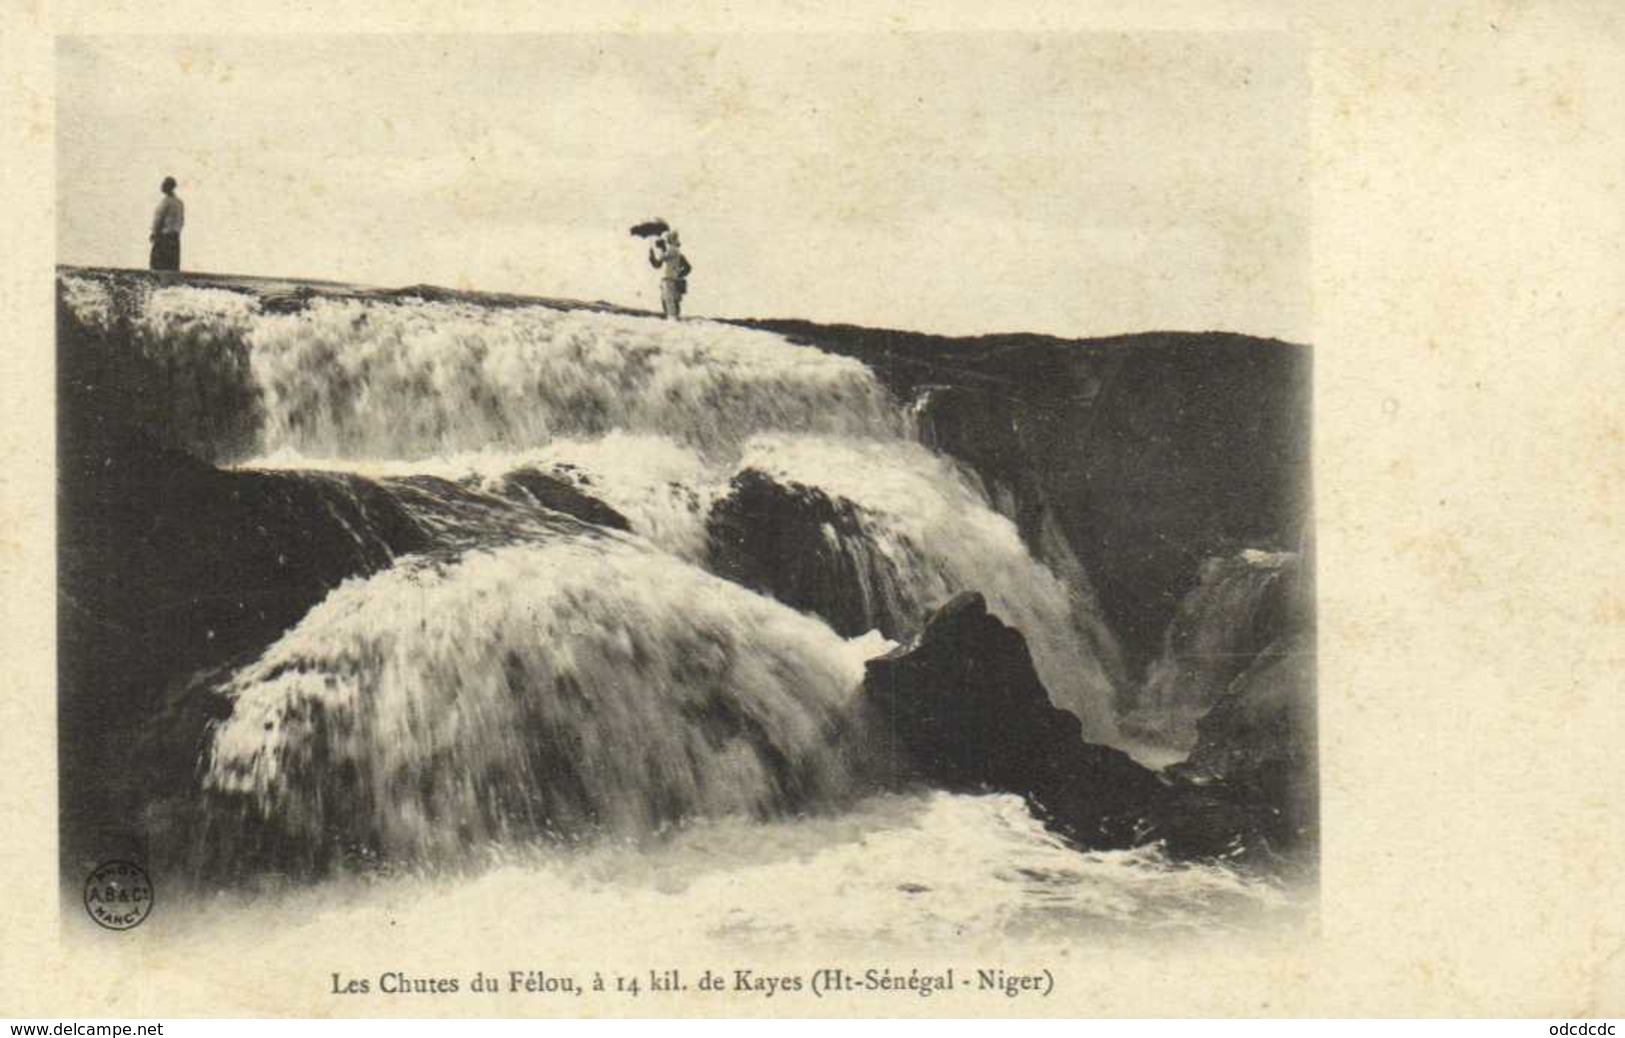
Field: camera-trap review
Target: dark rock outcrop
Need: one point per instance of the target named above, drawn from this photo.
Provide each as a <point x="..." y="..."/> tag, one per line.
<point x="808" y="550"/>
<point x="558" y="495"/>
<point x="960" y="707"/>
<point x="169" y="568"/>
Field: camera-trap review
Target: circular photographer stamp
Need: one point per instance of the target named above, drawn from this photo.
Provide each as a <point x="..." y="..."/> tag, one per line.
<point x="118" y="895"/>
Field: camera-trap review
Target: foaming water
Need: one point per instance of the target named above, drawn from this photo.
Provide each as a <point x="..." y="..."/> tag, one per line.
<point x="365" y="380"/>
<point x="408" y="379"/>
<point x="581" y="685"/>
<point x="921" y="871"/>
<point x="926" y="529"/>
<point x="664" y="488"/>
<point x="937" y="534"/>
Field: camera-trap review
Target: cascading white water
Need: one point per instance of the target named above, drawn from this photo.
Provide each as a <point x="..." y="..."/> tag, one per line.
<point x="938" y="535"/>
<point x="919" y="514"/>
<point x="586" y="683"/>
<point x="357" y="380"/>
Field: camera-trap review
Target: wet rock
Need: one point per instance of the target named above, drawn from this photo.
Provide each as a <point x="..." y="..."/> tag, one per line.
<point x="558" y="495"/>
<point x="1259" y="741"/>
<point x="167" y="569"/>
<point x="808" y="550"/>
<point x="961" y="707"/>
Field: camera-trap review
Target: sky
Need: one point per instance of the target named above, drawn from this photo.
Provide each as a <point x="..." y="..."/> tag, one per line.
<point x="1073" y="184"/>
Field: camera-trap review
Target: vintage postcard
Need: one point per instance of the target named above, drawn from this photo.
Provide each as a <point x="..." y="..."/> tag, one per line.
<point x="777" y="517"/>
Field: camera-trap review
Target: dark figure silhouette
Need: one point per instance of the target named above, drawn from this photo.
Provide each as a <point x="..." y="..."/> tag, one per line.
<point x="166" y="229"/>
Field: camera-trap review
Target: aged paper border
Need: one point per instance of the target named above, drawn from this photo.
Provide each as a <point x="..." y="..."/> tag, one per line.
<point x="1469" y="251"/>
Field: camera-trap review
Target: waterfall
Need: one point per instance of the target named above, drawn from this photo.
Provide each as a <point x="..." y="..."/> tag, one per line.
<point x="533" y="671"/>
<point x="584" y="684"/>
<point x="923" y="523"/>
<point x="928" y="532"/>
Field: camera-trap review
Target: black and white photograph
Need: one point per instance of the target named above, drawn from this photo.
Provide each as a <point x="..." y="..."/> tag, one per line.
<point x="877" y="468"/>
<point x="961" y="515"/>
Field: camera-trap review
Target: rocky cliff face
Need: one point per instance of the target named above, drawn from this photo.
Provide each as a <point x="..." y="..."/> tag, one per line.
<point x="1260" y="741"/>
<point x="1241" y="606"/>
<point x="1147" y="453"/>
